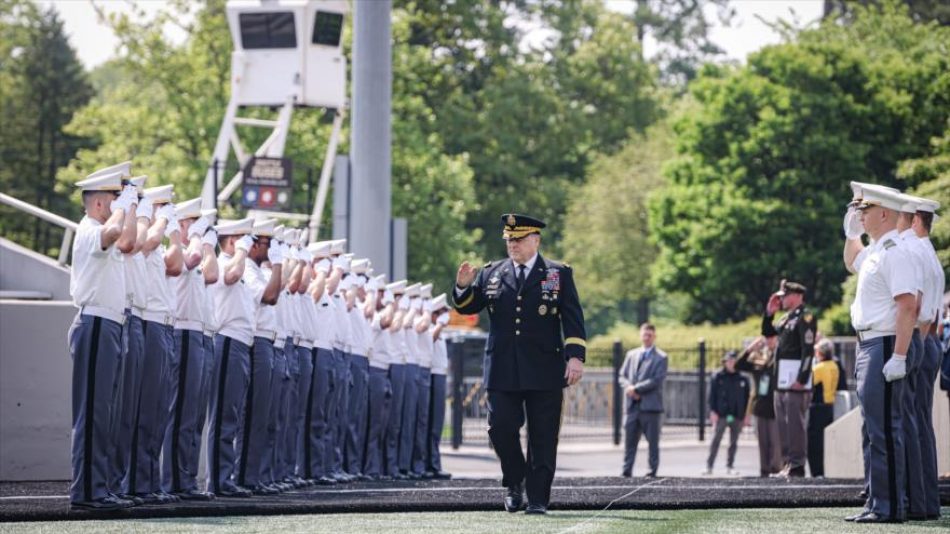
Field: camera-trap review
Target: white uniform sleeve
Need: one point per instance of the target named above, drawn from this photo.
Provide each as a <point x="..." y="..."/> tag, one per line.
<point x="899" y="279"/>
<point x="254" y="278"/>
<point x="859" y="259"/>
<point x="89" y="238"/>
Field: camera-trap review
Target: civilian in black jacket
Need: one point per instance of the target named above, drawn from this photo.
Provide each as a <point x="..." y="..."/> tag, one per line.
<point x="728" y="404"/>
<point x="758" y="359"/>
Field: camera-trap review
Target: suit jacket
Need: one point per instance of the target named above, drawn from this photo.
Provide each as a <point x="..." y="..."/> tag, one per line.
<point x="532" y="333"/>
<point x="647" y="379"/>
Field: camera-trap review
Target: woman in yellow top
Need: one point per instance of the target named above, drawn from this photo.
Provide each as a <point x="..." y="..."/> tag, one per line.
<point x="822" y="410"/>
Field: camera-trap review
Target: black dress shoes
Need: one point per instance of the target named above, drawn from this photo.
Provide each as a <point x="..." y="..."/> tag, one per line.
<point x="194" y="495"/>
<point x="857" y="515"/>
<point x="234" y="492"/>
<point x="536" y="509"/>
<point x="441" y="475"/>
<point x="105" y="503"/>
<point x="515" y="498"/>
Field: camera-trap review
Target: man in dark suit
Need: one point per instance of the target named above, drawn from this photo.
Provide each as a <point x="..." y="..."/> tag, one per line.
<point x="641" y="378"/>
<point x="536" y="346"/>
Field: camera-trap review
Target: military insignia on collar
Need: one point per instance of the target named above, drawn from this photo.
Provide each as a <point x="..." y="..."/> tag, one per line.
<point x="542" y="309"/>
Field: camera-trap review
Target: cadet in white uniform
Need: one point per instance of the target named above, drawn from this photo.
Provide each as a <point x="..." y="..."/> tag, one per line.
<point x="440" y="368"/>
<point x="379" y="388"/>
<point x="339" y="398"/>
<point x="264" y="287"/>
<point x="410" y="404"/>
<point x="361" y="344"/>
<point x="421" y="336"/>
<point x="883" y="313"/>
<point x="97" y="284"/>
<point x="234" y="318"/>
<point x="154" y="404"/>
<point x="397" y="378"/>
<point x="934" y="287"/>
<point x="189" y="367"/>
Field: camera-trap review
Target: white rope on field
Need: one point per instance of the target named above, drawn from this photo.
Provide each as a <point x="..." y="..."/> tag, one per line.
<point x="611" y="503"/>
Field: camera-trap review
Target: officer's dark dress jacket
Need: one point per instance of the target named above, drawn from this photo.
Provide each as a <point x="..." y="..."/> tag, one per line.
<point x="532" y="333"/>
<point x="796" y="340"/>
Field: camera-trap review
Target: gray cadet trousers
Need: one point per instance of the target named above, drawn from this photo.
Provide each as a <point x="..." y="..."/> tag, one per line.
<point x="318" y="456"/>
<point x="257" y="427"/>
<point x="299" y="437"/>
<point x="338" y="413"/>
<point x="407" y="430"/>
<point x="231" y="375"/>
<point x="882" y="412"/>
<point x="153" y="409"/>
<point x="397" y="377"/>
<point x="420" y="449"/>
<point x="123" y="425"/>
<point x="929" y="369"/>
<point x="95" y="345"/>
<point x="914" y="501"/>
<point x="380" y="393"/>
<point x="187" y="372"/>
<point x="358" y="404"/>
<point x="436" y="422"/>
<point x="280" y="378"/>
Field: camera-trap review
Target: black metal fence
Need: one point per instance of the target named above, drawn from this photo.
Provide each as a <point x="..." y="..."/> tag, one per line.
<point x="593" y="409"/>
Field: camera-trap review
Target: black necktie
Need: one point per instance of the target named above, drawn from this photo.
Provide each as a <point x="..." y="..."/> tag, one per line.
<point x="520" y="277"/>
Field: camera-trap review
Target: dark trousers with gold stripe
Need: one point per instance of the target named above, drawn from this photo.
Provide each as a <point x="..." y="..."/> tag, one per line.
<point x="882" y="411"/>
<point x="96" y="348"/>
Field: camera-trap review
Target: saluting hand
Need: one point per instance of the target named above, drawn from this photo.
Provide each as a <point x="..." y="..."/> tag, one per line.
<point x="465" y="275"/>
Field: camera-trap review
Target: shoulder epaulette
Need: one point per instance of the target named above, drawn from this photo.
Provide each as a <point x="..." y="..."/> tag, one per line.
<point x="889" y="244"/>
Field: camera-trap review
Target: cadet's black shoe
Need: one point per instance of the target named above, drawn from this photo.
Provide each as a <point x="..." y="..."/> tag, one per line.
<point x="441" y="475"/>
<point x="413" y="475"/>
<point x="105" y="503"/>
<point x="857" y="515"/>
<point x="234" y="492"/>
<point x="326" y="481"/>
<point x="650" y="475"/>
<point x="194" y="495"/>
<point x="364" y="478"/>
<point x="872" y="517"/>
<point x="400" y="476"/>
<point x="515" y="498"/>
<point x="536" y="509"/>
<point x="796" y="472"/>
<point x="168" y="498"/>
<point x="263" y="489"/>
<point x="428" y="475"/>
<point x="135" y="500"/>
<point x="626" y="474"/>
<point x="151" y="498"/>
<point x="863" y="494"/>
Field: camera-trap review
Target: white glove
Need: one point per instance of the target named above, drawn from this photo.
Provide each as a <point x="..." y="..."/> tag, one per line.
<point x="388" y="297"/>
<point x="210" y="238"/>
<point x="853" y="229"/>
<point x="145" y="209"/>
<point x="427" y="306"/>
<point x="417" y="304"/>
<point x="302" y="238"/>
<point x="274" y="256"/>
<point x="172" y="225"/>
<point x="126" y="198"/>
<point x="372" y="286"/>
<point x="323" y="266"/>
<point x="286" y="252"/>
<point x="403" y="303"/>
<point x="442" y="319"/>
<point x="245" y="243"/>
<point x="304" y="255"/>
<point x="345" y="284"/>
<point x="895" y="368"/>
<point x="342" y="262"/>
<point x="166" y="212"/>
<point x="198" y="227"/>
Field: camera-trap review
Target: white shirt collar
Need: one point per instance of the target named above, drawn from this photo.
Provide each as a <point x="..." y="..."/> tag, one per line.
<point x="528" y="265"/>
<point x="908" y="233"/>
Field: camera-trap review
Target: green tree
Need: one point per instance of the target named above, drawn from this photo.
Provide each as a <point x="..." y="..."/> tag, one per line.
<point x="756" y="191"/>
<point x="930" y="176"/>
<point x="42" y="84"/>
<point x="606" y="234"/>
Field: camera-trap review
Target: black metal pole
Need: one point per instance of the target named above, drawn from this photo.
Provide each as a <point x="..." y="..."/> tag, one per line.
<point x="214" y="173"/>
<point x="618" y="394"/>
<point x="702" y="390"/>
<point x="458" y="376"/>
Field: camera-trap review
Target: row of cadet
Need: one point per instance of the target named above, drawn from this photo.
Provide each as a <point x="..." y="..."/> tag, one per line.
<point x="306" y="367"/>
<point x="896" y="310"/>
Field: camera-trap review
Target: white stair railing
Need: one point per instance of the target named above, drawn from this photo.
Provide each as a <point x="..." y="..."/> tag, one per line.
<point x="69" y="227"/>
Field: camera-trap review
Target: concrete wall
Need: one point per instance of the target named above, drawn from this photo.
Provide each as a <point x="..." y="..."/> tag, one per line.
<point x="843" y="456"/>
<point x="35" y="390"/>
<point x="22" y="269"/>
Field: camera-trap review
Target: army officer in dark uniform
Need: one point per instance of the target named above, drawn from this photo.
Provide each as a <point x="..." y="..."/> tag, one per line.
<point x="536" y="347"/>
<point x="793" y="362"/>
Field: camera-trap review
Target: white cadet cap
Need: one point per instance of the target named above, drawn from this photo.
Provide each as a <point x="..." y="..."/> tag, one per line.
<point x="928" y="205"/>
<point x="369" y="272"/>
<point x="426" y="291"/>
<point x="398" y="288"/>
<point x="338" y="246"/>
<point x="857" y="188"/>
<point x="413" y="290"/>
<point x="139" y="183"/>
<point x="909" y="203"/>
<point x="124" y="169"/>
<point x="241" y="227"/>
<point x="160" y="194"/>
<point x="189" y="209"/>
<point x="210" y="214"/>
<point x="380" y="280"/>
<point x="265" y="227"/>
<point x="439" y="303"/>
<point x="359" y="266"/>
<point x="105" y="182"/>
<point x="884" y="197"/>
<point x="320" y="249"/>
